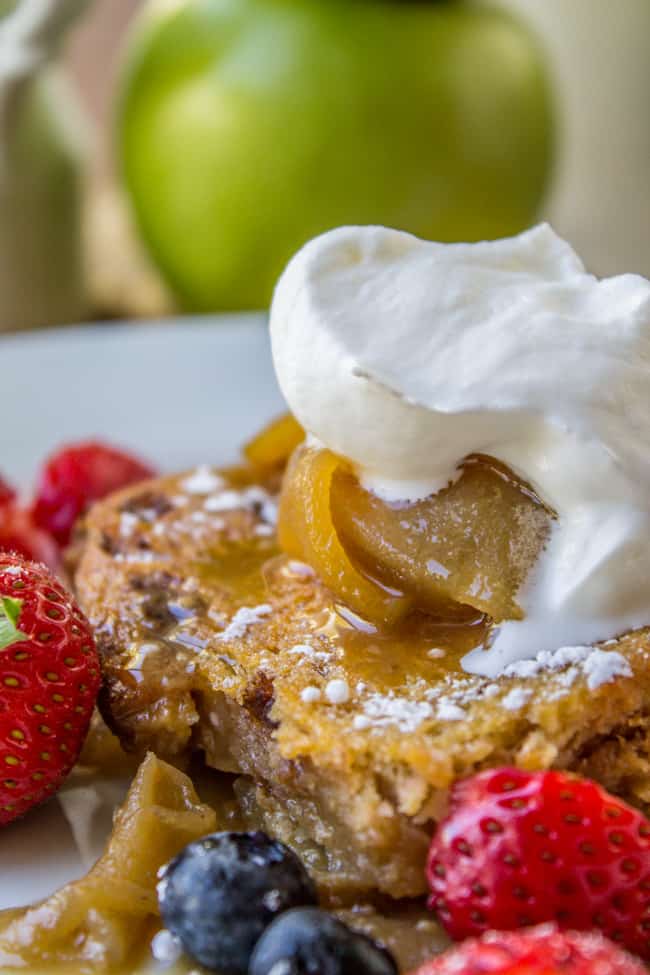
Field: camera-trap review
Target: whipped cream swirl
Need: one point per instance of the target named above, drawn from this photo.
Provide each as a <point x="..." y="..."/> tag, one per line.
<point x="405" y="356"/>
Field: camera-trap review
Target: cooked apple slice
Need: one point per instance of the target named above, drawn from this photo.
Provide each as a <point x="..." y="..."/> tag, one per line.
<point x="96" y="923"/>
<point x="306" y="531"/>
<point x="273" y="446"/>
<point x="467" y="549"/>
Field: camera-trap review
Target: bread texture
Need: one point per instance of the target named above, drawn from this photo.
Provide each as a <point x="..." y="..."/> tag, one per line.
<point x="212" y="640"/>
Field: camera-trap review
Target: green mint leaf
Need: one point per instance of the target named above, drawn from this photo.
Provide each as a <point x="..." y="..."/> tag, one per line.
<point x="9" y="612"/>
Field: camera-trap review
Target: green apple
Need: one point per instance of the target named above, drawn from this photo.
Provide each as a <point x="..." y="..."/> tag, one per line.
<point x="247" y="127"/>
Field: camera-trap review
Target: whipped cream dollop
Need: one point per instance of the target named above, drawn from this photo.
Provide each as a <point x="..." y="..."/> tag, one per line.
<point x="405" y="356"/>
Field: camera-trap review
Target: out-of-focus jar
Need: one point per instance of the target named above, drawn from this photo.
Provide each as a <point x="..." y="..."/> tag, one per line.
<point x="42" y="147"/>
<point x="600" y="56"/>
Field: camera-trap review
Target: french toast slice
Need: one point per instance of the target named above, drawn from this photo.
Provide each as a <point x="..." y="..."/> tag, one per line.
<point x="347" y="741"/>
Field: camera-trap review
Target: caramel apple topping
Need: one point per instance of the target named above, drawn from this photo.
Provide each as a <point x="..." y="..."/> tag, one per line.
<point x="465" y="550"/>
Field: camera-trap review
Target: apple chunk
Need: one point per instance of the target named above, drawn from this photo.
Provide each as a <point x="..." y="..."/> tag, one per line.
<point x="97" y="922"/>
<point x="465" y="550"/>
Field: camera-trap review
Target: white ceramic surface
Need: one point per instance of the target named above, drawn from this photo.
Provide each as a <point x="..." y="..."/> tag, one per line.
<point x="180" y="393"/>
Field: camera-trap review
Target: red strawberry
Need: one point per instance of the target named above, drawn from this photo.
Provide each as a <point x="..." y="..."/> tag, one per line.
<point x="7" y="493"/>
<point x="76" y="476"/>
<point x="520" y="848"/>
<point x="49" y="678"/>
<point x="19" y="534"/>
<point x="538" y="951"/>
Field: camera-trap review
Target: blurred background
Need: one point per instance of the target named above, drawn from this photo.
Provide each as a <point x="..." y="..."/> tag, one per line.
<point x="171" y="155"/>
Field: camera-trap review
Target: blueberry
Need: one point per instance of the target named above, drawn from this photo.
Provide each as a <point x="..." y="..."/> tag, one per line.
<point x="307" y="941"/>
<point x="220" y="893"/>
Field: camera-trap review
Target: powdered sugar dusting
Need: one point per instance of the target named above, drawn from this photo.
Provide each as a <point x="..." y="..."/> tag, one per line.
<point x="202" y="481"/>
<point x="448" y="711"/>
<point x="598" y="666"/>
<point x="516" y="698"/>
<point x="602" y="666"/>
<point x="384" y="710"/>
<point x="361" y="722"/>
<point x="225" y="501"/>
<point x="337" y="691"/>
<point x="450" y="699"/>
<point x="436" y="653"/>
<point x="140" y="555"/>
<point x="128" y="523"/>
<point x="166" y="948"/>
<point x="254" y="499"/>
<point x="305" y="651"/>
<point x="244" y="618"/>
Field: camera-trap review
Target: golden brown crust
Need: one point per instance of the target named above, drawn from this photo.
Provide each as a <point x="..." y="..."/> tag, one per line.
<point x="162" y="574"/>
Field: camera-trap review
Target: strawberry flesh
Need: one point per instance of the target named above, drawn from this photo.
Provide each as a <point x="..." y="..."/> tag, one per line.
<point x="75" y="477"/>
<point x="522" y="848"/>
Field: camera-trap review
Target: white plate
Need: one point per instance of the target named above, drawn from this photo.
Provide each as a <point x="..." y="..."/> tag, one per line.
<point x="179" y="393"/>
